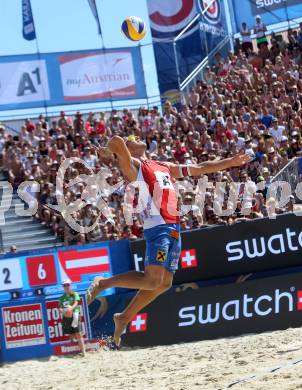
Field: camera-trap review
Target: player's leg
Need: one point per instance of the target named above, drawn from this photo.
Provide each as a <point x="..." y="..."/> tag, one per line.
<point x="141" y="300"/>
<point x="156" y="251"/>
<point x="151" y="279"/>
<point x="80" y="340"/>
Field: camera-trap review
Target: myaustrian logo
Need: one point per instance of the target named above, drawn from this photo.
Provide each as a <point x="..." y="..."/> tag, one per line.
<point x="288" y="241"/>
<point x="244" y="307"/>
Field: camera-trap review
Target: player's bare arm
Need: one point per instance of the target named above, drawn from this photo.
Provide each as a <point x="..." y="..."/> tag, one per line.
<point x="178" y="171"/>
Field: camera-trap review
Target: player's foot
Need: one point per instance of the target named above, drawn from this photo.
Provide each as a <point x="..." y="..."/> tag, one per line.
<point x="94" y="289"/>
<point x="120" y="326"/>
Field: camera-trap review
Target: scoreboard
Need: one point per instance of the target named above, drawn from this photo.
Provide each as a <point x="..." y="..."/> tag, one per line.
<point x="32" y="273"/>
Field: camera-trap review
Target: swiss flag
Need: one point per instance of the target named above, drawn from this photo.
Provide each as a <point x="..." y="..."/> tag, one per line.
<point x="138" y="323"/>
<point x="299" y="299"/>
<point x="76" y="263"/>
<point x="188" y="258"/>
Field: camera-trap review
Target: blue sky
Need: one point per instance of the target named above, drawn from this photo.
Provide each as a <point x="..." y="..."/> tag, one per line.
<point x="65" y="25"/>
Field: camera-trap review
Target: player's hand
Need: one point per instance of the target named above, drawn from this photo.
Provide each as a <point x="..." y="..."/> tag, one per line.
<point x="240" y="159"/>
<point x="103" y="152"/>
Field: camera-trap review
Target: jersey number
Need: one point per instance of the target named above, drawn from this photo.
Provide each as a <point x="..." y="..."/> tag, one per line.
<point x="163" y="179"/>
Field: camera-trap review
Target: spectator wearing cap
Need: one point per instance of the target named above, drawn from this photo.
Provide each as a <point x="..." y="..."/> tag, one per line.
<point x="36" y="171"/>
<point x="89" y="158"/>
<point x="69" y="304"/>
<point x="64" y="120"/>
<point x="266" y="175"/>
<point x="295" y="148"/>
<point x="27" y="161"/>
<point x="42" y="147"/>
<point x="115" y="124"/>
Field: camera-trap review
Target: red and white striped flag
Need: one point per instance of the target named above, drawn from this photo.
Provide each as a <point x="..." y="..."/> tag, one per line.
<point x="76" y="263"/>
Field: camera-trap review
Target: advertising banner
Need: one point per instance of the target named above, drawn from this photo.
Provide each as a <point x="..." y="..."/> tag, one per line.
<point x="213" y="23"/>
<point x="254" y="246"/>
<point x="97" y="76"/>
<point x="219" y="311"/>
<point x="23" y="82"/>
<point x="23" y="325"/>
<point x="71" y="348"/>
<point x="28" y="30"/>
<point x="32" y="328"/>
<point x="31" y="273"/>
<point x="271" y="11"/>
<point x="175" y="61"/>
<point x="167" y="20"/>
<point x="65" y="78"/>
<point x="54" y="322"/>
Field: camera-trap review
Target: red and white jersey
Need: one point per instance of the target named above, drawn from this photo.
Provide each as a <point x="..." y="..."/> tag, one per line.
<point x="157" y="196"/>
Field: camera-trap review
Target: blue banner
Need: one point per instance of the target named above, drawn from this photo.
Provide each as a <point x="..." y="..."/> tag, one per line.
<point x="213" y="25"/>
<point x="271" y="11"/>
<point x="29" y="274"/>
<point x="94" y="10"/>
<point x="29" y="32"/>
<point x="29" y="81"/>
<point x="176" y="60"/>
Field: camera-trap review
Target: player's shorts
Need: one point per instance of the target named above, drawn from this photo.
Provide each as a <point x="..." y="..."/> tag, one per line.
<point x="68" y="329"/>
<point x="163" y="246"/>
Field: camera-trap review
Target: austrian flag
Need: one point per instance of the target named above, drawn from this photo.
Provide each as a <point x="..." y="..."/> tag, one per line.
<point x="76" y="263"/>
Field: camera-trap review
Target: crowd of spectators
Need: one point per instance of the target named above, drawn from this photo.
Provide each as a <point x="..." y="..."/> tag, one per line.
<point x="249" y="102"/>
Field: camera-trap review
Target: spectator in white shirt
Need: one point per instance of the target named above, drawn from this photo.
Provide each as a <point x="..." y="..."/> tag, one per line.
<point x="247" y="45"/>
<point x="277" y="131"/>
<point x="90" y="159"/>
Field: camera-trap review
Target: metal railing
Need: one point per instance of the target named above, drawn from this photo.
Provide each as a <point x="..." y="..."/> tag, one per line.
<point x="13" y="126"/>
<point x="291" y="174"/>
<point x="1" y="242"/>
<point x="198" y="72"/>
<point x="15" y="120"/>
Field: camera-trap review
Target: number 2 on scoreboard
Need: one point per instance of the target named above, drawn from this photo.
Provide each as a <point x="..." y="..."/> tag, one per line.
<point x="10" y="275"/>
<point x="6" y="273"/>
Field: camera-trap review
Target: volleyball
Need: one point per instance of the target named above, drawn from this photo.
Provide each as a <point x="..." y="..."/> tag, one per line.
<point x="134" y="28"/>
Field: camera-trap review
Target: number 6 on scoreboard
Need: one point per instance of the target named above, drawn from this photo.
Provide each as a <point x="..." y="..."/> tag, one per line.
<point x="41" y="270"/>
